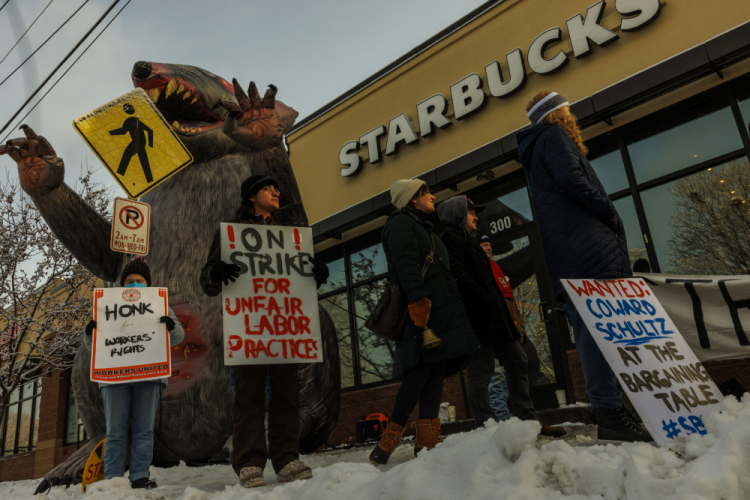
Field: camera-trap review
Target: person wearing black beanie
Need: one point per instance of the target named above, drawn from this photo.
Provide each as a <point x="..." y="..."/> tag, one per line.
<point x="133" y="400"/>
<point x="260" y="199"/>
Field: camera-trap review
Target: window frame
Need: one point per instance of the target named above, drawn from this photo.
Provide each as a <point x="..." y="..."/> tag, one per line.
<point x="36" y="393"/>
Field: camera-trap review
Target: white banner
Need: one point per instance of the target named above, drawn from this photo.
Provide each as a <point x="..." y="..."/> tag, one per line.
<point x="271" y="311"/>
<point x="655" y="366"/>
<point x="130" y="344"/>
<point x="711" y="312"/>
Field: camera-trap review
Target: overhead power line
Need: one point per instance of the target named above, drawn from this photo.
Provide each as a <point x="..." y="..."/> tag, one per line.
<point x="39" y="88"/>
<point x="6" y="3"/>
<point x="43" y="43"/>
<point x="27" y="30"/>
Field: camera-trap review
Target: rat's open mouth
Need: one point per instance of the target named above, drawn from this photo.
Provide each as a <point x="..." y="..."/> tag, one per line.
<point x="181" y="105"/>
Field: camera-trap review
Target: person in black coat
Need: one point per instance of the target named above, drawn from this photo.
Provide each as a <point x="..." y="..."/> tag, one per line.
<point x="582" y="237"/>
<point x="489" y="316"/>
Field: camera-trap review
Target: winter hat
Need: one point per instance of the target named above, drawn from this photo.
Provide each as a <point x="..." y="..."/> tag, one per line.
<point x="470" y="205"/>
<point x="482" y="238"/>
<point x="255" y="183"/>
<point x="404" y="190"/>
<point x="137" y="265"/>
<point x="550" y="103"/>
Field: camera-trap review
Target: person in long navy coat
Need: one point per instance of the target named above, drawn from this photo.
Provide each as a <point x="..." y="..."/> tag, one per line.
<point x="582" y="237"/>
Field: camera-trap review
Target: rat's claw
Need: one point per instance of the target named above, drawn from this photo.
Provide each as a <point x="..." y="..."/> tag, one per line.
<point x="241" y="96"/>
<point x="269" y="100"/>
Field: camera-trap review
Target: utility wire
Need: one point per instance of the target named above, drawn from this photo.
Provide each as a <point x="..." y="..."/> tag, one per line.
<point x="43" y="43"/>
<point x="27" y="30"/>
<point x="39" y="88"/>
<point x="65" y="73"/>
<point x="6" y="3"/>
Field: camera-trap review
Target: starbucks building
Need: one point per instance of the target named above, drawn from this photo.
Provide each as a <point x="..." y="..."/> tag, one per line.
<point x="661" y="90"/>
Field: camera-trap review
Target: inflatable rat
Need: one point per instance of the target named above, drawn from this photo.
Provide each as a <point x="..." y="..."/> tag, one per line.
<point x="229" y="143"/>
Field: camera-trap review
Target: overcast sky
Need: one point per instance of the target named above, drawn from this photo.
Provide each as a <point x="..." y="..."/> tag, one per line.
<point x="313" y="50"/>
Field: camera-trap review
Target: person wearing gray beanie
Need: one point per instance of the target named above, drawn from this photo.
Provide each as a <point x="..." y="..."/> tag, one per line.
<point x="418" y="264"/>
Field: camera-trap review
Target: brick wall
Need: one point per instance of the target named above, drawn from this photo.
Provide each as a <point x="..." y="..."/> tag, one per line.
<point x="54" y="407"/>
<point x="17" y="467"/>
<point x="357" y="404"/>
<point x="720" y="371"/>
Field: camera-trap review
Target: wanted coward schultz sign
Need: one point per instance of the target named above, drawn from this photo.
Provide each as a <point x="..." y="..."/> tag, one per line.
<point x="655" y="366"/>
<point x="130" y="344"/>
<point x="270" y="312"/>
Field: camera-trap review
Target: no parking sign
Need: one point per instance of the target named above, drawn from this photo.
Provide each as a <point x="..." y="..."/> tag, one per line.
<point x="130" y="226"/>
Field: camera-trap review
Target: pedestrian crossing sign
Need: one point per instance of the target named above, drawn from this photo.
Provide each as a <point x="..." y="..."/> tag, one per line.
<point x="134" y="142"/>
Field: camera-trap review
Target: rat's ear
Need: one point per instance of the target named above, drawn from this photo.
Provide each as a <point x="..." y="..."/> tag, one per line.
<point x="287" y="115"/>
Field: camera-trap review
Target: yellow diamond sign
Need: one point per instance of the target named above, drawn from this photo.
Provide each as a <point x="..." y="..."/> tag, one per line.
<point x="134" y="142"/>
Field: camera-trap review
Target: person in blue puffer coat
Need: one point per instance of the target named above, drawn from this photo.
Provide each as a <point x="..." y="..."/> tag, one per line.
<point x="582" y="237"/>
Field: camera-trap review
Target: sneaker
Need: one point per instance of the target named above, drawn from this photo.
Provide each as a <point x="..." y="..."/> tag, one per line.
<point x="293" y="471"/>
<point x="143" y="483"/>
<point x="616" y="425"/>
<point x="250" y="477"/>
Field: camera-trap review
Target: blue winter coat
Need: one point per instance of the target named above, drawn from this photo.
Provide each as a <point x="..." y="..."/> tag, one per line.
<point x="572" y="206"/>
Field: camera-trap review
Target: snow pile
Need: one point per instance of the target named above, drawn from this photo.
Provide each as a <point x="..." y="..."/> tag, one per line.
<point x="501" y="461"/>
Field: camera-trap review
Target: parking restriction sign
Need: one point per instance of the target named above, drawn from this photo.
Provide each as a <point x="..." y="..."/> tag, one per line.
<point x="130" y="225"/>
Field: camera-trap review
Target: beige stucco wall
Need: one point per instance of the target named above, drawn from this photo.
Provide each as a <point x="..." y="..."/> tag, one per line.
<point x="681" y="25"/>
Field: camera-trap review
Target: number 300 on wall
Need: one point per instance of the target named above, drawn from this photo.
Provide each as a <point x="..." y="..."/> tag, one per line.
<point x="500" y="224"/>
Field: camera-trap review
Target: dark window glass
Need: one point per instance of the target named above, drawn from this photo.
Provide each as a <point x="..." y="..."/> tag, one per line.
<point x="700" y="224"/>
<point x="368" y="263"/>
<point x="24" y="426"/>
<point x="336" y="277"/>
<point x="636" y="245"/>
<point x="507" y="206"/>
<point x="377" y="356"/>
<point x="704" y="131"/>
<point x="11" y="422"/>
<point x="338" y="309"/>
<point x="610" y="170"/>
<point x="35" y="424"/>
<point x="743" y="95"/>
<point x="74" y="430"/>
<point x="745" y="109"/>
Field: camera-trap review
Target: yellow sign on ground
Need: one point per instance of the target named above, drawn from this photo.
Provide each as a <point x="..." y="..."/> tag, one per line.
<point x="134" y="142"/>
<point x="94" y="469"/>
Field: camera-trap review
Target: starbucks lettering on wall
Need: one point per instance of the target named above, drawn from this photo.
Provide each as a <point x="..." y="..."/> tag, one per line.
<point x="468" y="96"/>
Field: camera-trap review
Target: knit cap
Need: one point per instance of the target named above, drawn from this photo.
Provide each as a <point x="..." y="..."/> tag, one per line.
<point x="137" y="265"/>
<point x="404" y="190"/>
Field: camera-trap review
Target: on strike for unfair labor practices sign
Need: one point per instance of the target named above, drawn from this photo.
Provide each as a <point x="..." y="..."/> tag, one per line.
<point x="660" y="373"/>
<point x="130" y="226"/>
<point x="271" y="311"/>
<point x="134" y="142"/>
<point x="130" y="343"/>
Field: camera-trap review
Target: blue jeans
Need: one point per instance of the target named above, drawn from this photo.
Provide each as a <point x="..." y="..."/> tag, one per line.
<point x="499" y="396"/>
<point x="122" y="402"/>
<point x="601" y="383"/>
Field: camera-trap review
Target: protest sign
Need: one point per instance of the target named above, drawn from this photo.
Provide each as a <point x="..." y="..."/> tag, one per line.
<point x="655" y="366"/>
<point x="271" y="311"/>
<point x="130" y="226"/>
<point x="711" y="312"/>
<point x="130" y="343"/>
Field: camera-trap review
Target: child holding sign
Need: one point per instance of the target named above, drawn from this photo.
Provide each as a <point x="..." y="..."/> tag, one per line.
<point x="133" y="400"/>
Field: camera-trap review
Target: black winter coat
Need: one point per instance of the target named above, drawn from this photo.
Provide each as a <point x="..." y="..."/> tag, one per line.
<point x="489" y="315"/>
<point x="406" y="244"/>
<point x="572" y="207"/>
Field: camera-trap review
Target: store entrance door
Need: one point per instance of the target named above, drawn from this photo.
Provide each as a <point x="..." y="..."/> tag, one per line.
<point x="520" y="258"/>
<point x="509" y="222"/>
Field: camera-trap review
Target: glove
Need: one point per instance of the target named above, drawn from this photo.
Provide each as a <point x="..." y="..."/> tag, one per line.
<point x="224" y="272"/>
<point x="419" y="310"/>
<point x="90" y="327"/>
<point x="320" y="271"/>
<point x="613" y="224"/>
<point x="169" y="321"/>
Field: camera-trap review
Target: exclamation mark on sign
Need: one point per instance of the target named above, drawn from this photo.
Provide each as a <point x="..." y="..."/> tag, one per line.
<point x="230" y="232"/>
<point x="296" y="238"/>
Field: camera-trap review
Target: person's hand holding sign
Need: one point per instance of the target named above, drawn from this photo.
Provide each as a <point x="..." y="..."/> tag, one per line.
<point x="39" y="168"/>
<point x="224" y="272"/>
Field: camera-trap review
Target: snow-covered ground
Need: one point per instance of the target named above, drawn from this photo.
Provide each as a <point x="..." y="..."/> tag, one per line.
<point x="501" y="461"/>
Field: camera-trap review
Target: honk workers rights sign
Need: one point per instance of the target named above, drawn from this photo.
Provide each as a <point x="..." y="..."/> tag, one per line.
<point x="657" y="369"/>
<point x="130" y="344"/>
<point x="271" y="311"/>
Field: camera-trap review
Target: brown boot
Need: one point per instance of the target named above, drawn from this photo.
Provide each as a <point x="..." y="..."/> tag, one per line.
<point x="389" y="441"/>
<point x="428" y="434"/>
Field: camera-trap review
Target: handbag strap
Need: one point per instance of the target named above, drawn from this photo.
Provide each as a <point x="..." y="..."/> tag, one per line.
<point x="429" y="257"/>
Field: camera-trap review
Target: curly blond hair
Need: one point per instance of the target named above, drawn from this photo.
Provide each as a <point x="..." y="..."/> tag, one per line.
<point x="561" y="119"/>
